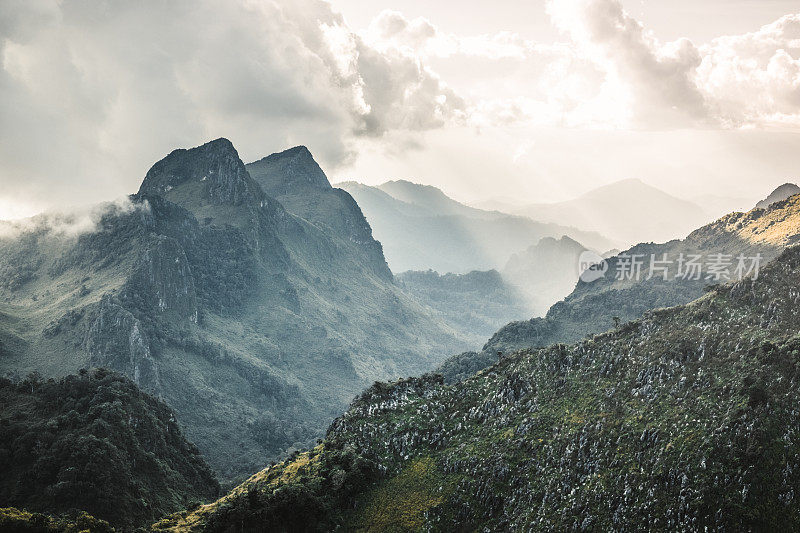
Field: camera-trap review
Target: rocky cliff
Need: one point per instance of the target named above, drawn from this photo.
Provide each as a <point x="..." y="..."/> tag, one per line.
<point x="256" y="323"/>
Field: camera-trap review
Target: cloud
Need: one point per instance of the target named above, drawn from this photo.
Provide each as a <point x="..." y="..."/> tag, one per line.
<point x="69" y="223"/>
<point x="90" y="96"/>
<point x="754" y="79"/>
<point x="95" y="94"/>
<point x="750" y="80"/>
<point x="657" y="80"/>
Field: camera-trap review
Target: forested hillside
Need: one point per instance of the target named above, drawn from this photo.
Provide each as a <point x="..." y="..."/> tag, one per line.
<point x="682" y="420"/>
<point x="94" y="442"/>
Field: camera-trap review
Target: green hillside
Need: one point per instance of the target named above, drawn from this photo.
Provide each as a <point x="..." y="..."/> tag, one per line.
<point x="94" y="442"/>
<point x="684" y="420"/>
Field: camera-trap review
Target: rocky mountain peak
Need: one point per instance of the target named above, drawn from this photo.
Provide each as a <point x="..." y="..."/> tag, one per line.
<point x="781" y="193"/>
<point x="212" y="173"/>
<point x="289" y="172"/>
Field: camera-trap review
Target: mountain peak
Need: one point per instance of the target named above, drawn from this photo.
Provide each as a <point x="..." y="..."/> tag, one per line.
<point x="288" y="172"/>
<point x="779" y="194"/>
<point x="426" y="196"/>
<point x="210" y="173"/>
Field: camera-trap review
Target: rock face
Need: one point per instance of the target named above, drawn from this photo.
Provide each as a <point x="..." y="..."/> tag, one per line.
<point x="300" y="185"/>
<point x="683" y="420"/>
<point x="284" y="173"/>
<point x="165" y="279"/>
<point x="781" y="193"/>
<point x="256" y="323"/>
<point x="214" y="168"/>
<point x="117" y="340"/>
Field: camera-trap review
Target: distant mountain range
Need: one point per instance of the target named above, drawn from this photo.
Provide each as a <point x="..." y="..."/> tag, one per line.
<point x="628" y="211"/>
<point x="421" y="228"/>
<point x="255" y="315"/>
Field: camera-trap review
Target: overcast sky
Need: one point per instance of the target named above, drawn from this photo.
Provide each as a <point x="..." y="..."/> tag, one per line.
<point x="525" y="100"/>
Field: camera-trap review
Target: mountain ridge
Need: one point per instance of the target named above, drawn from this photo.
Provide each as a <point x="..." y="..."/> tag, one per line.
<point x="453" y="238"/>
<point x="593" y="307"/>
<point x="779" y="194"/>
<point x="629" y="211"/>
<point x="681" y="420"/>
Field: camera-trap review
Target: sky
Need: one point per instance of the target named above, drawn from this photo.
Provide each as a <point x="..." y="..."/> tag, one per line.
<point x="524" y="101"/>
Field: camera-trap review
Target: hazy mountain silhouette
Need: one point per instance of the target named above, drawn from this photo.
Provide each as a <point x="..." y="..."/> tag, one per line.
<point x="629" y="211"/>
<point x="478" y="302"/>
<point x="546" y="272"/>
<point x="421" y="228"/>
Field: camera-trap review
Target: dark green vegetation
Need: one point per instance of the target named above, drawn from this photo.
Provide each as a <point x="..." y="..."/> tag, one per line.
<point x="595" y="307"/>
<point x="257" y="323"/>
<point x="94" y="442"/>
<point x="683" y="420"/>
<point x="19" y="521"/>
<point x="478" y="302"/>
<point x="421" y="228"/>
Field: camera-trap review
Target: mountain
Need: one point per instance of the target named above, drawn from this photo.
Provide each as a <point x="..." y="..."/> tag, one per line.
<point x="629" y="211"/>
<point x="594" y="306"/>
<point x="429" y="198"/>
<point x="421" y="229"/>
<point x="478" y="302"/>
<point x="545" y="272"/>
<point x="255" y="324"/>
<point x="684" y="420"/>
<point x="299" y="184"/>
<point x="781" y="193"/>
<point x="95" y="442"/>
<point x="502" y="204"/>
